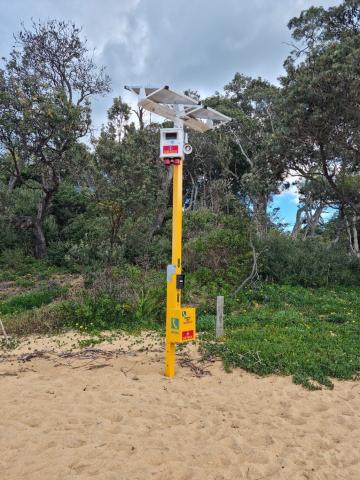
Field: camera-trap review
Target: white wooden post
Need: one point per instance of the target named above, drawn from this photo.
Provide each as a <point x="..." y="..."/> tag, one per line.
<point x="4" y="332"/>
<point x="219" y="316"/>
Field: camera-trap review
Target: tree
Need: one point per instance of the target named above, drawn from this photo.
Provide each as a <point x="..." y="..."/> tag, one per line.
<point x="320" y="101"/>
<point x="255" y="165"/>
<point x="313" y="198"/>
<point x="45" y="91"/>
<point x="125" y="182"/>
<point x="118" y="115"/>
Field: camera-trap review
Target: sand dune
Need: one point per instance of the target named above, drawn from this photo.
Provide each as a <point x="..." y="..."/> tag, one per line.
<point x="118" y="418"/>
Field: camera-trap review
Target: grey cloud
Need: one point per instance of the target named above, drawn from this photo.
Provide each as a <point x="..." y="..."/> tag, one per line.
<point x="202" y="46"/>
<point x="198" y="44"/>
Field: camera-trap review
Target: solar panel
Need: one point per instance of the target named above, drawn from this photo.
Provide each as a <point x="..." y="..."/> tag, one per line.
<point x="165" y="95"/>
<point x="207" y="113"/>
<point x="178" y="107"/>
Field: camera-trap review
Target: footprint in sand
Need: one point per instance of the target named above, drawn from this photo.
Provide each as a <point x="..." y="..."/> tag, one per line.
<point x="297" y="420"/>
<point x="75" y="443"/>
<point x="32" y="422"/>
<point x="262" y="441"/>
<point x="79" y="467"/>
<point x="320" y="407"/>
<point x="114" y="417"/>
<point x="115" y="429"/>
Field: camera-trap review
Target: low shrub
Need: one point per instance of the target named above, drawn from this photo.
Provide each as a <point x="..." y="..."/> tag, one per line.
<point x="43" y="320"/>
<point x="29" y="300"/>
<point x="96" y="311"/>
<point x="311" y="263"/>
<point x="17" y="263"/>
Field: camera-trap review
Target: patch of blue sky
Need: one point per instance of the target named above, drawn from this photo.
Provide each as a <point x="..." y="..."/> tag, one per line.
<point x="286" y="205"/>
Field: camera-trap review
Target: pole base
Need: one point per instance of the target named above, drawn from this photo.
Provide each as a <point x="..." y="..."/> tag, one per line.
<point x="170" y="360"/>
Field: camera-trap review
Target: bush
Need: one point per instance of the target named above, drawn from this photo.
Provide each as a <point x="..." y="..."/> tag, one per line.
<point x="100" y="311"/>
<point x="125" y="297"/>
<point x="45" y="319"/>
<point x="30" y="300"/>
<point x="216" y="245"/>
<point x="18" y="262"/>
<point x="311" y="263"/>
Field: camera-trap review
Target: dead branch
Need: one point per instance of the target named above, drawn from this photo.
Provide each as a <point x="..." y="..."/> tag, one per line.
<point x="254" y="270"/>
<point x="198" y="370"/>
<point x="26" y="357"/>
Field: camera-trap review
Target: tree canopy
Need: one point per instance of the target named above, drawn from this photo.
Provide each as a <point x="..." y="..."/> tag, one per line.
<point x="103" y="199"/>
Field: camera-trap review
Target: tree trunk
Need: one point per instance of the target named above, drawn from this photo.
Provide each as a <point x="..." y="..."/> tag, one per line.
<point x="259" y="202"/>
<point x="298" y="223"/>
<point x="162" y="202"/>
<point x="40" y="248"/>
<point x="355" y="236"/>
<point x="140" y="115"/>
<point x="349" y="233"/>
<point x="12" y="183"/>
<point x="195" y="196"/>
<point x="192" y="195"/>
<point x="50" y="185"/>
<point x="315" y="219"/>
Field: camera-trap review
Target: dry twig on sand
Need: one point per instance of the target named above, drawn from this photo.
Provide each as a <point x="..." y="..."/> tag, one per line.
<point x="195" y="367"/>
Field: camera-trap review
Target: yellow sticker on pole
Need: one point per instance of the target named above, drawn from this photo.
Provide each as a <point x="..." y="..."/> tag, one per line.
<point x="181" y="323"/>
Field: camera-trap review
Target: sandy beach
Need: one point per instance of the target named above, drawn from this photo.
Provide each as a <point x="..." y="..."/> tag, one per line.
<point x="113" y="416"/>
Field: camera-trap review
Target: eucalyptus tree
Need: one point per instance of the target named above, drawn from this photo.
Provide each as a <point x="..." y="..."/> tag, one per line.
<point x="118" y="116"/>
<point x="320" y="102"/>
<point x="45" y="89"/>
<point x="254" y="163"/>
<point x="313" y="199"/>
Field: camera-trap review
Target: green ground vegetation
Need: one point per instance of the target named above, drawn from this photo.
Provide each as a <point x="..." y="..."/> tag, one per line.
<point x="311" y="334"/>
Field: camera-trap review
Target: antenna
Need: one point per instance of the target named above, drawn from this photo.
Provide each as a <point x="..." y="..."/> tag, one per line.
<point x="179" y="108"/>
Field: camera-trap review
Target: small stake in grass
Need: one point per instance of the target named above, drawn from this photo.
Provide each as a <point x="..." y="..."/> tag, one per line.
<point x="219" y="316"/>
<point x="4" y="332"/>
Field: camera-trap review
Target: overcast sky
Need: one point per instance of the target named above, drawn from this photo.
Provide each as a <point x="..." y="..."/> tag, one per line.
<point x="197" y="44"/>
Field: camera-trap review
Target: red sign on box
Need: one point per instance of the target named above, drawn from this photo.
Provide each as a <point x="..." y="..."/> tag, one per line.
<point x="188" y="334"/>
<point x="170" y="149"/>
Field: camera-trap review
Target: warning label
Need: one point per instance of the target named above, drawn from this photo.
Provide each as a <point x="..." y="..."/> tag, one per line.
<point x="170" y="149"/>
<point x="188" y="334"/>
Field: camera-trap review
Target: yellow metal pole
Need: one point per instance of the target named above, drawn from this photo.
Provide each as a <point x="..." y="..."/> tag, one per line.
<point x="173" y="294"/>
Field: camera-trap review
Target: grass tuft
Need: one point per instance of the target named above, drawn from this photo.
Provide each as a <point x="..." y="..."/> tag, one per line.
<point x="29" y="300"/>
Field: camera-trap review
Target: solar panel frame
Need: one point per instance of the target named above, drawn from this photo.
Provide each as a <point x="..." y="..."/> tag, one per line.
<point x="178" y="107"/>
<point x="166" y="96"/>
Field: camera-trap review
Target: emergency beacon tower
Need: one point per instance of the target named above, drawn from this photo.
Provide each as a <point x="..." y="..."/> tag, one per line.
<point x="183" y="111"/>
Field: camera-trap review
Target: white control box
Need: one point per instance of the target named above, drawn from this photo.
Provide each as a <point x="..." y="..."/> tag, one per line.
<point x="171" y="143"/>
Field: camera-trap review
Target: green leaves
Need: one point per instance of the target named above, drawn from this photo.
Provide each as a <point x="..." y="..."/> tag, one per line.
<point x="320" y="99"/>
<point x="295" y="332"/>
<point x="45" y="89"/>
